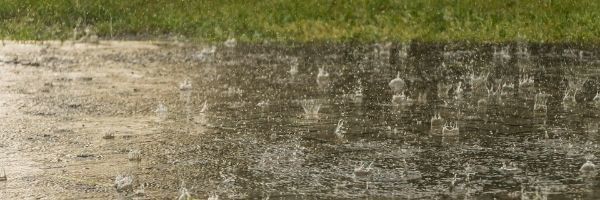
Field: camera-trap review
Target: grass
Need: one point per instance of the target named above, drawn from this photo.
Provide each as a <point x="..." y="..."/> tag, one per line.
<point x="307" y="20"/>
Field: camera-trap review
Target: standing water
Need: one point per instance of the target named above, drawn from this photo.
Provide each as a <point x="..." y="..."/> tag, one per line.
<point x="312" y="121"/>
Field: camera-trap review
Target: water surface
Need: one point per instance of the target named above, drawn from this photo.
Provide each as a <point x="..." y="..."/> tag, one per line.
<point x="253" y="138"/>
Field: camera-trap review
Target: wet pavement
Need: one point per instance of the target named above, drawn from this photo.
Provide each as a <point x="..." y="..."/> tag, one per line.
<point x="143" y="120"/>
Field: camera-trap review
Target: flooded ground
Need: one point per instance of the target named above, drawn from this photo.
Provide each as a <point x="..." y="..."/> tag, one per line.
<point x="142" y="120"/>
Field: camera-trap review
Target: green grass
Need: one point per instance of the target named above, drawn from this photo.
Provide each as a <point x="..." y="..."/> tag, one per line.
<point x="308" y="20"/>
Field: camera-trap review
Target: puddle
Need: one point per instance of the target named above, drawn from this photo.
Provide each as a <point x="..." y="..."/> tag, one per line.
<point x="300" y="121"/>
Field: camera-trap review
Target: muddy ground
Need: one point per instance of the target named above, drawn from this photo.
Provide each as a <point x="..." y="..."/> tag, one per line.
<point x="59" y="100"/>
<point x="61" y="103"/>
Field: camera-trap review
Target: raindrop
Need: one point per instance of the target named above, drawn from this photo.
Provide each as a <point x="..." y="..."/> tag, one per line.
<point x="230" y="43"/>
<point x="397" y="84"/>
<point x="570" y="53"/>
<point x="507" y="87"/>
<point x="596" y="99"/>
<point x="3" y="176"/>
<point x="231" y="91"/>
<point x="162" y="112"/>
<point x="204" y="107"/>
<point x="458" y="92"/>
<point x="494" y="91"/>
<point x="402" y="100"/>
<point x="358" y="93"/>
<point x="134" y="155"/>
<point x="186" y="85"/>
<point x="340" y="130"/>
<point x="363" y="169"/>
<point x="522" y="51"/>
<point x="140" y="192"/>
<point x="469" y="171"/>
<point x="403" y="51"/>
<point x="293" y="71"/>
<point x="184" y="194"/>
<point x="540" y="100"/>
<point x="526" y="81"/>
<point x="453" y="182"/>
<point x="591" y="127"/>
<point x="124" y="183"/>
<point x="443" y="90"/>
<point x="263" y="103"/>
<point x="588" y="166"/>
<point x="206" y="54"/>
<point x="478" y="82"/>
<point x="311" y="107"/>
<point x="569" y="100"/>
<point x="501" y="53"/>
<point x="323" y="78"/>
<point x="213" y="197"/>
<point x="422" y="98"/>
<point x="437" y="124"/>
<point x="511" y="168"/>
<point x="575" y="84"/>
<point x="451" y="129"/>
<point x="109" y="135"/>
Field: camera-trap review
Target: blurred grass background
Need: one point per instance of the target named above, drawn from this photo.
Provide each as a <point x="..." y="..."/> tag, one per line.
<point x="306" y="20"/>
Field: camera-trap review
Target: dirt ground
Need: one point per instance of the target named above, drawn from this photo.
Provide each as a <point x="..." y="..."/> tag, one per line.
<point x="58" y="101"/>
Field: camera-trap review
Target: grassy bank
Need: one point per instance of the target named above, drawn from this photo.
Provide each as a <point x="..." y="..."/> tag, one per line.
<point x="307" y="20"/>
